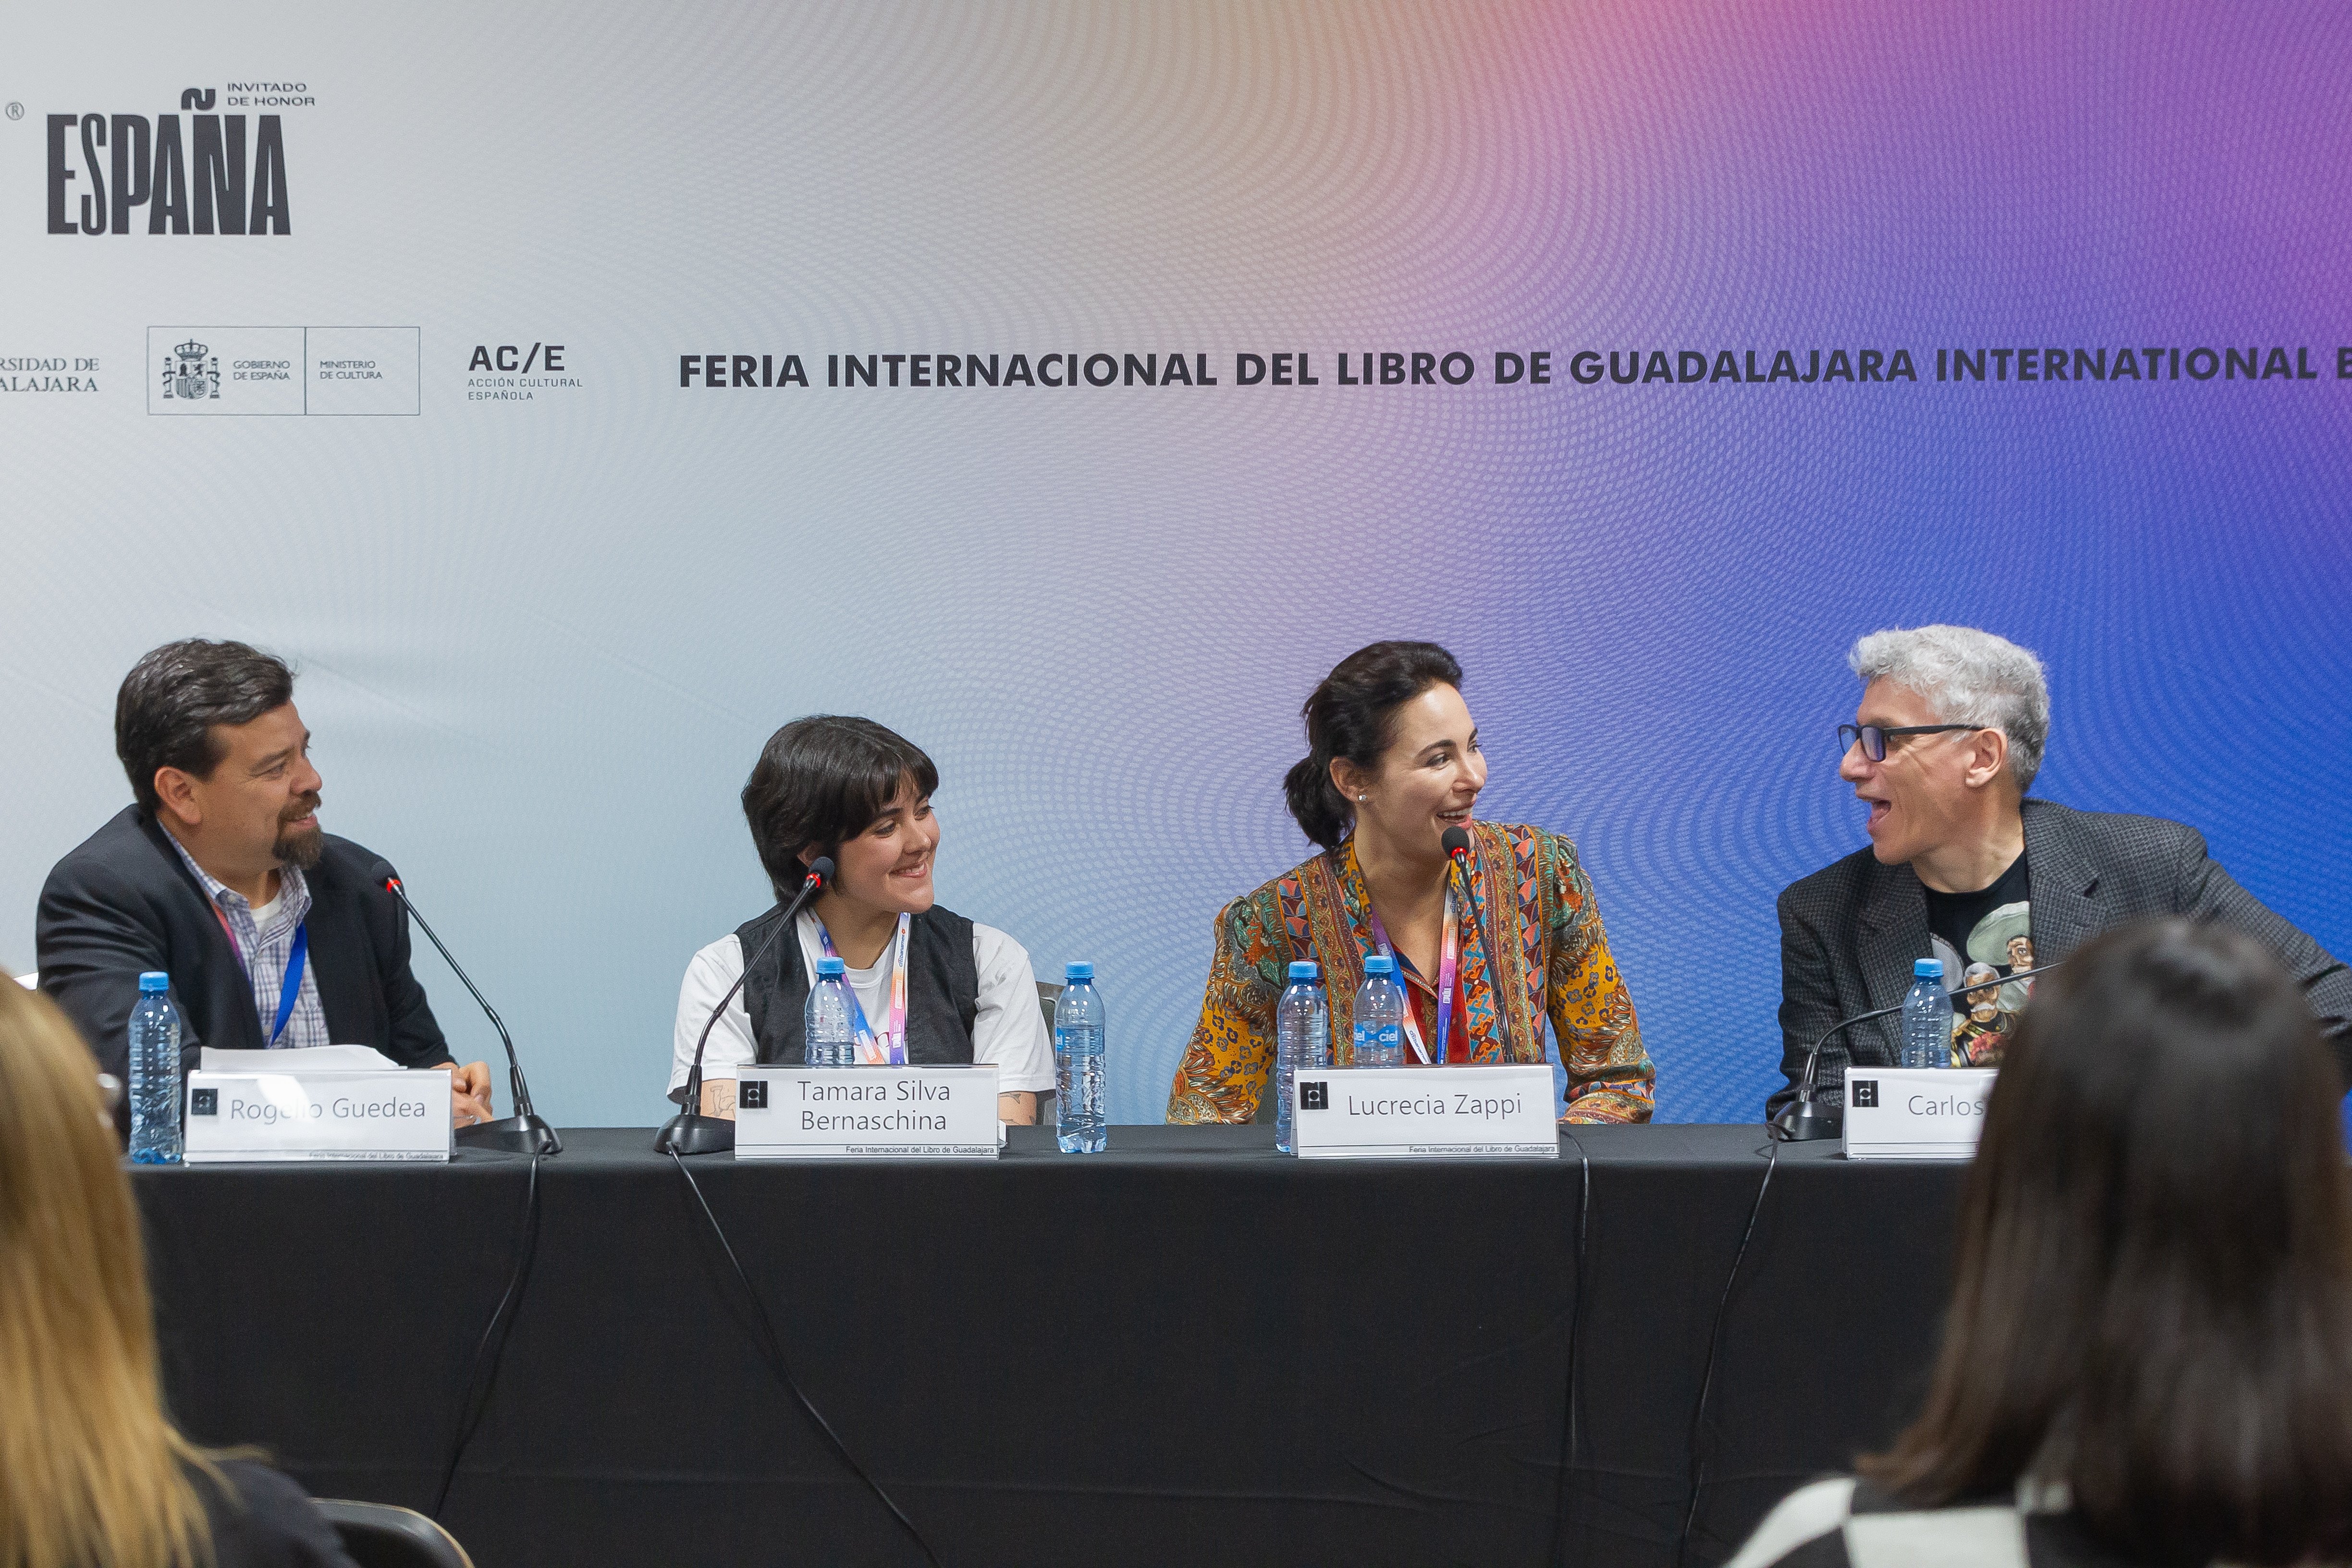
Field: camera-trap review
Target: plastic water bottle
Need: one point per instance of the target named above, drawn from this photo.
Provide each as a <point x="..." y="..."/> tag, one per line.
<point x="154" y="1074"/>
<point x="1379" y="1016"/>
<point x="1078" y="1120"/>
<point x="827" y="1038"/>
<point x="1302" y="1039"/>
<point x="1927" y="1017"/>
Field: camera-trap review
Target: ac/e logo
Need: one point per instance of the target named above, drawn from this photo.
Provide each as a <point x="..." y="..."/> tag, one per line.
<point x="1865" y="1094"/>
<point x="204" y="1102"/>
<point x="513" y="357"/>
<point x="128" y="161"/>
<point x="753" y="1095"/>
<point x="1315" y="1096"/>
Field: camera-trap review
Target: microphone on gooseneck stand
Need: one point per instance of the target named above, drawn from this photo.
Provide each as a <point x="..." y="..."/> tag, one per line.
<point x="1456" y="844"/>
<point x="524" y="1132"/>
<point x="1456" y="841"/>
<point x="691" y="1131"/>
<point x="1803" y="1121"/>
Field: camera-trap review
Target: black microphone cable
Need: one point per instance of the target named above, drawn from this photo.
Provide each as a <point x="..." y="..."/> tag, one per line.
<point x="1562" y="1492"/>
<point x="1772" y="1136"/>
<point x="783" y="1372"/>
<point x="1714" y="1343"/>
<point x="481" y="1382"/>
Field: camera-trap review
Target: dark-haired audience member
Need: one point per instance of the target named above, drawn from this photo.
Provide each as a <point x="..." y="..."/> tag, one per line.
<point x="275" y="932"/>
<point x="1393" y="763"/>
<point x="852" y="790"/>
<point x="2148" y="1358"/>
<point x="91" y="1469"/>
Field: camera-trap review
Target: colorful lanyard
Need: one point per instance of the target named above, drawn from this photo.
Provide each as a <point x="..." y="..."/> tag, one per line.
<point x="888" y="1049"/>
<point x="1448" y="952"/>
<point x="290" y="988"/>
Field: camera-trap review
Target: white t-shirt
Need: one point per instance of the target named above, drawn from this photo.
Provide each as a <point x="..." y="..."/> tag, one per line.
<point x="1009" y="1028"/>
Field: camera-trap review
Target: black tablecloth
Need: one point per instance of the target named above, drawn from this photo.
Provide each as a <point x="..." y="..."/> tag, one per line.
<point x="1187" y="1349"/>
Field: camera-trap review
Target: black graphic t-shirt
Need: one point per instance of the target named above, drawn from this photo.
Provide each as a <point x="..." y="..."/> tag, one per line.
<point x="1982" y="937"/>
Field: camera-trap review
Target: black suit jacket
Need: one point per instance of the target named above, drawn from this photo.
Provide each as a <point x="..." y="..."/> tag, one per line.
<point x="1850" y="931"/>
<point x="124" y="902"/>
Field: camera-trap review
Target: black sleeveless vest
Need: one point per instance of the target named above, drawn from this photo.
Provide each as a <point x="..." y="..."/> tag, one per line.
<point x="942" y="989"/>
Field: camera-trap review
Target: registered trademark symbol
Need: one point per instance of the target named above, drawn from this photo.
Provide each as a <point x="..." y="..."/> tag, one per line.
<point x="16" y="112"/>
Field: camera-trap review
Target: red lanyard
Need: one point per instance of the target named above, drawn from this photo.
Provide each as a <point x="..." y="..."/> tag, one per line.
<point x="1448" y="952"/>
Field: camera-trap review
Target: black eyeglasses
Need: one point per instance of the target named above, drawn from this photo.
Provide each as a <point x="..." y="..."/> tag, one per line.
<point x="1873" y="737"/>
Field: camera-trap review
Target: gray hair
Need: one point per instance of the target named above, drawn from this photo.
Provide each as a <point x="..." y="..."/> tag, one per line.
<point x="1968" y="676"/>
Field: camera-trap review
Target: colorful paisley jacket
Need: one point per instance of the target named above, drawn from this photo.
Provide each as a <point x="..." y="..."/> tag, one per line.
<point x="1532" y="949"/>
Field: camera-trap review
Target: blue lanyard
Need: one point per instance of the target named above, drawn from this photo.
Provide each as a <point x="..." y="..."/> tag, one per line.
<point x="292" y="988"/>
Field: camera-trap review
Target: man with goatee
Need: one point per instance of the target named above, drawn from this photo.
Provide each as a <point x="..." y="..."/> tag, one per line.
<point x="275" y="934"/>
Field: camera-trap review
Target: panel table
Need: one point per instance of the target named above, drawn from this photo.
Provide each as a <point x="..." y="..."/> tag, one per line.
<point x="1187" y="1349"/>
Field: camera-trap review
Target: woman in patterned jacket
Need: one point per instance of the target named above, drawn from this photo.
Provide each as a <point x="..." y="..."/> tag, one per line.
<point x="1394" y="763"/>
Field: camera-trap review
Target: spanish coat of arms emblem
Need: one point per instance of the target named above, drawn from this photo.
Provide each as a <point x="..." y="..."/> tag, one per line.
<point x="194" y="370"/>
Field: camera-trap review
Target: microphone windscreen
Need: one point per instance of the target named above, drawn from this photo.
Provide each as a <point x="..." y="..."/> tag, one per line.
<point x="1456" y="841"/>
<point x="821" y="870"/>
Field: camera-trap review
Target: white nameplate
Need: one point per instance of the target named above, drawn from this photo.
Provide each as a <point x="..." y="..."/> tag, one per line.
<point x="857" y="1113"/>
<point x="1426" y="1113"/>
<point x="232" y="1117"/>
<point x="1915" y="1113"/>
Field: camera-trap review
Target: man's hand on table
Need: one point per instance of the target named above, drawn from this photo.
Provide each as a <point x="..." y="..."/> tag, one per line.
<point x="469" y="1094"/>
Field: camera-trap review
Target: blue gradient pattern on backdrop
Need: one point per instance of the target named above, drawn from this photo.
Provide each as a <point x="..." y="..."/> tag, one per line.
<point x="542" y="644"/>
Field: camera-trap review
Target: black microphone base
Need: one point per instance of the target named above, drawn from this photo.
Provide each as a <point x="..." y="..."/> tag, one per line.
<point x="687" y="1133"/>
<point x="1805" y="1123"/>
<point x="512" y="1135"/>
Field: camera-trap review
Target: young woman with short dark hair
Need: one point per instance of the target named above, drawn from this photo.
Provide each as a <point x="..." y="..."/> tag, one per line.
<point x="1393" y="762"/>
<point x="931" y="986"/>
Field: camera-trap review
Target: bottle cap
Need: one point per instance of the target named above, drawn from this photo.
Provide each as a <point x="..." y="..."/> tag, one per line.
<point x="153" y="979"/>
<point x="828" y="966"/>
<point x="1933" y="967"/>
<point x="1380" y="964"/>
<point x="1077" y="969"/>
<point x="1305" y="968"/>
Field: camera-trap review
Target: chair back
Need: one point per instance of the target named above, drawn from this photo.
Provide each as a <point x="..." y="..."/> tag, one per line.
<point x="378" y="1535"/>
<point x="1046" y="997"/>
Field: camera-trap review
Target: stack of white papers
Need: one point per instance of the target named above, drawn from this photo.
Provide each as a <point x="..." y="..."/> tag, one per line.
<point x="301" y="1058"/>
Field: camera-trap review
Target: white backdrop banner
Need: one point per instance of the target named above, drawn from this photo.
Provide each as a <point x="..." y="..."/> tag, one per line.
<point x="577" y="393"/>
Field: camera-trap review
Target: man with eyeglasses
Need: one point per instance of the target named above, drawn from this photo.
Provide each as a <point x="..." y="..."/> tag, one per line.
<point x="1963" y="867"/>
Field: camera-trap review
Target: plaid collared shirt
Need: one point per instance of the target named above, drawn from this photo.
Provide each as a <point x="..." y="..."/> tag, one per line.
<point x="264" y="953"/>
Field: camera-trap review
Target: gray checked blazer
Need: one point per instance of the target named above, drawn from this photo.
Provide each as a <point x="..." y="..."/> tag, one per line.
<point x="1850" y="931"/>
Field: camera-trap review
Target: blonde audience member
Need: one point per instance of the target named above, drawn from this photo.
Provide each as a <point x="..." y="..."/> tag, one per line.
<point x="92" y="1470"/>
